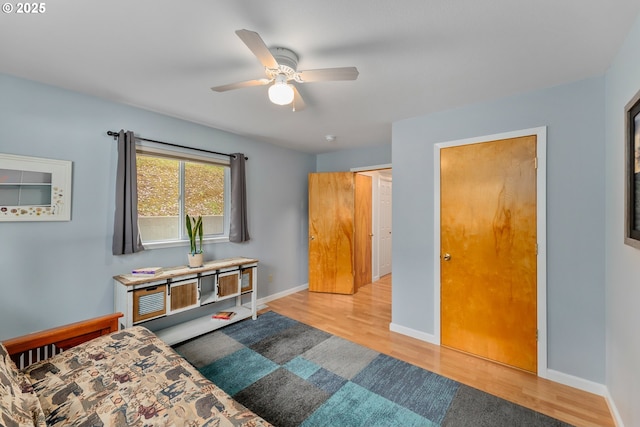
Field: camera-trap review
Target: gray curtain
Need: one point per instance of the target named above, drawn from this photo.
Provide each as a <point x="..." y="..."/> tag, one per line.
<point x="239" y="231"/>
<point x="126" y="236"/>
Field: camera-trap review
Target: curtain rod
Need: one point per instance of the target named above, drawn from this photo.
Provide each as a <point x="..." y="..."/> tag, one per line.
<point x="115" y="136"/>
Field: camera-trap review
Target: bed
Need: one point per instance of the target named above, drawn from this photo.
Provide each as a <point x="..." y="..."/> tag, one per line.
<point x="92" y="374"/>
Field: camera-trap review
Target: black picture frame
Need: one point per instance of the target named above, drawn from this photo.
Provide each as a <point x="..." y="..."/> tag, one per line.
<point x="632" y="172"/>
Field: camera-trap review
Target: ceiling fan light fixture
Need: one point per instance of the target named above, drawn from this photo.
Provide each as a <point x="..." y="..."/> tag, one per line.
<point x="280" y="92"/>
<point x="281" y="68"/>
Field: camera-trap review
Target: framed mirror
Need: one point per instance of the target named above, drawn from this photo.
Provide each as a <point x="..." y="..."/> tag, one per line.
<point x="34" y="189"/>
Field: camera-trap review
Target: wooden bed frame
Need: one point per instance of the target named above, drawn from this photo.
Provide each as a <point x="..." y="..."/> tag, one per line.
<point x="31" y="348"/>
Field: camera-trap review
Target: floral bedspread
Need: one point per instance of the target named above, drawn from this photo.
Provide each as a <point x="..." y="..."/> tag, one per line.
<point x="131" y="378"/>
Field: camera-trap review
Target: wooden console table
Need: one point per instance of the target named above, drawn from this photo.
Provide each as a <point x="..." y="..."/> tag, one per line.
<point x="178" y="289"/>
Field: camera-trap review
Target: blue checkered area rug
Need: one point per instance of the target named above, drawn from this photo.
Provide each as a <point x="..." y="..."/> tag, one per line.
<point x="292" y="374"/>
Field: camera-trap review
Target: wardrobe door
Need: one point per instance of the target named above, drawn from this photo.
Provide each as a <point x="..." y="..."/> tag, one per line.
<point x="331" y="232"/>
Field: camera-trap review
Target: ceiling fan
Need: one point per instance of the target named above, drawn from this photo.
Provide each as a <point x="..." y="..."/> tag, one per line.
<point x="280" y="67"/>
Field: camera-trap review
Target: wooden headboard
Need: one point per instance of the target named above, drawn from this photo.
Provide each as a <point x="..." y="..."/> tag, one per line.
<point x="31" y="348"/>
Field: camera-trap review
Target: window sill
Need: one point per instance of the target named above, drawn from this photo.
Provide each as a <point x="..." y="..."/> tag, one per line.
<point x="185" y="243"/>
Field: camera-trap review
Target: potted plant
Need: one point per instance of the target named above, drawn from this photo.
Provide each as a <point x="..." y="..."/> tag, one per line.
<point x="194" y="230"/>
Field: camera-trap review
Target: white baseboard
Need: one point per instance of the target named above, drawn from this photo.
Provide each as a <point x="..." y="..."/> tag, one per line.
<point x="419" y="335"/>
<point x="590" y="387"/>
<point x="266" y="299"/>
<point x="617" y="419"/>
<point x="576" y="382"/>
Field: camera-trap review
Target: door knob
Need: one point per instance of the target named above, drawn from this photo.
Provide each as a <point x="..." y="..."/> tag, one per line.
<point x="312" y="237"/>
<point x="446" y="257"/>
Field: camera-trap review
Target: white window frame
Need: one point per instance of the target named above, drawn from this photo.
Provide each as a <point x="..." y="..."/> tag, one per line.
<point x="152" y="149"/>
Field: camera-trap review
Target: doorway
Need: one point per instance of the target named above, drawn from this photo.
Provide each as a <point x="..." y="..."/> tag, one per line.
<point x="451" y="329"/>
<point x="339" y="231"/>
<point x="385" y="224"/>
<point x="345" y="218"/>
<point x="381" y="211"/>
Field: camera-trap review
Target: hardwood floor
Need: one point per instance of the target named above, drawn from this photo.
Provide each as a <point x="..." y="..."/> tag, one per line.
<point x="364" y="318"/>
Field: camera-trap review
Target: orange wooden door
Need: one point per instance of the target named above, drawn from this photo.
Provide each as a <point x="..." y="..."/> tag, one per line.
<point x="488" y="250"/>
<point x="331" y="232"/>
<point x="363" y="230"/>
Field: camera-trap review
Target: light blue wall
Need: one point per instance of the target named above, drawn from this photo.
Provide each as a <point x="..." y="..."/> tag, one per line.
<point x="344" y="160"/>
<point x="622" y="262"/>
<point x="59" y="272"/>
<point x="574" y="114"/>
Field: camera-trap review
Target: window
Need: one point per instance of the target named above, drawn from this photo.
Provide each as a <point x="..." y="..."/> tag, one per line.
<point x="172" y="184"/>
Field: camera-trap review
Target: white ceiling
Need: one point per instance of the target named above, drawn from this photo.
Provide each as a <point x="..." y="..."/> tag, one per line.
<point x="414" y="57"/>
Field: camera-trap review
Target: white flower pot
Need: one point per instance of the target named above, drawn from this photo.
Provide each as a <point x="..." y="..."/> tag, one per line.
<point x="195" y="260"/>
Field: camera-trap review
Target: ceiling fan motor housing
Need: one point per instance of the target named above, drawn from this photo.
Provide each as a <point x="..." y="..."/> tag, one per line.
<point x="287" y="61"/>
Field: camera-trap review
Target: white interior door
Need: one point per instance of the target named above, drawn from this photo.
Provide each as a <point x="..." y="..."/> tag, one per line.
<point x="385" y="225"/>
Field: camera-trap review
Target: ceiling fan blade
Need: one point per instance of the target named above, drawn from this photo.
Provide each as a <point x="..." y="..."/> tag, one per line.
<point x="255" y="43"/>
<point x="239" y="85"/>
<point x="328" y="74"/>
<point x="298" y="102"/>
